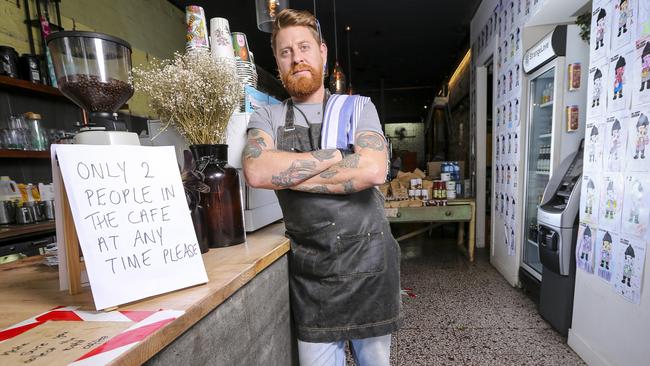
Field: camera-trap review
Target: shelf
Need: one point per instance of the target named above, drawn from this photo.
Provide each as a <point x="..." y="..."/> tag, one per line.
<point x="24" y="154"/>
<point x="544" y="136"/>
<point x="541" y="172"/>
<point x="15" y="231"/>
<point x="26" y="86"/>
<point x="547" y="104"/>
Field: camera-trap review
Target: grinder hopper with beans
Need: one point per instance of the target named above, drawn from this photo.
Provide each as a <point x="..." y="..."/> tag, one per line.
<point x="92" y="69"/>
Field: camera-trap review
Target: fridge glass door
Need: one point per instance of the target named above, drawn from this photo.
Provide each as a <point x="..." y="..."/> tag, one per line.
<point x="541" y="90"/>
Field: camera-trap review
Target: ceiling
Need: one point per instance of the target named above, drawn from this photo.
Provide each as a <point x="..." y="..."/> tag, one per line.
<point x="413" y="45"/>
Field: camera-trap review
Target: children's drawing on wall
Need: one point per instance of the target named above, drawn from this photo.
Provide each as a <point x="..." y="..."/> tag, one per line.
<point x="501" y="203"/>
<point x="643" y="20"/>
<point x="599" y="33"/>
<point x="620" y="88"/>
<point x="509" y="150"/>
<point x="638" y="155"/>
<point x="510" y="115"/>
<point x="516" y="113"/>
<point x="615" y="143"/>
<point x="641" y="137"/>
<point x="629" y="254"/>
<point x="605" y="254"/>
<point x="511" y="247"/>
<point x="611" y="202"/>
<point x="594" y="147"/>
<point x="589" y="200"/>
<point x="515" y="174"/>
<point x="641" y="74"/>
<point x="619" y="92"/>
<point x="509" y="79"/>
<point x="518" y="74"/>
<point x="636" y="205"/>
<point x="585" y="248"/>
<point x="623" y="22"/>
<point x="597" y="102"/>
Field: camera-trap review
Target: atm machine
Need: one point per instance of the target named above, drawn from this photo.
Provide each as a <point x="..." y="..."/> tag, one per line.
<point x="557" y="219"/>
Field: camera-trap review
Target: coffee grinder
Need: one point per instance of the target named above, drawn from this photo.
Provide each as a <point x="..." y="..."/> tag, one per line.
<point x="92" y="69"/>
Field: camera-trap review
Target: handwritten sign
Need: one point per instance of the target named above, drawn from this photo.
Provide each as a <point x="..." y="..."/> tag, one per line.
<point x="132" y="220"/>
<point x="58" y="343"/>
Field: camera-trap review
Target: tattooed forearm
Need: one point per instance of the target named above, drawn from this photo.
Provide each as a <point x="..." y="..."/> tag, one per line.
<point x="350" y="161"/>
<point x="296" y="173"/>
<point x="255" y="145"/>
<point x="254" y="148"/>
<point x="348" y="187"/>
<point x="322" y="155"/>
<point x="328" y="174"/>
<point x="314" y="189"/>
<point x="370" y="141"/>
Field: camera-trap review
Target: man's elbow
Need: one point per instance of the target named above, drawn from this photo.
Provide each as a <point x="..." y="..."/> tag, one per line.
<point x="377" y="175"/>
<point x="252" y="176"/>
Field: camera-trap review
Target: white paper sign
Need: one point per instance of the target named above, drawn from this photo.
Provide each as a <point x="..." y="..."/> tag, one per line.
<point x="605" y="242"/>
<point x="585" y="247"/>
<point x="132" y="221"/>
<point x="628" y="270"/>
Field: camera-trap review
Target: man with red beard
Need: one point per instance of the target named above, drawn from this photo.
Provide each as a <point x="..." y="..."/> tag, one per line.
<point x="324" y="155"/>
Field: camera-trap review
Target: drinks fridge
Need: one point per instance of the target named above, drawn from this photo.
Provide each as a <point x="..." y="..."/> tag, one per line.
<point x="556" y="94"/>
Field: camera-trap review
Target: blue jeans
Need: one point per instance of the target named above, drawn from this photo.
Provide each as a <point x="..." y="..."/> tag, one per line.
<point x="373" y="351"/>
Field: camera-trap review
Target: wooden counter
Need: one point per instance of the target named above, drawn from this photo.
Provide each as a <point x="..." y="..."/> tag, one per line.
<point x="29" y="288"/>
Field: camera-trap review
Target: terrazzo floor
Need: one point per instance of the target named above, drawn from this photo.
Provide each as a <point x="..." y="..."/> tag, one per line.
<point x="467" y="314"/>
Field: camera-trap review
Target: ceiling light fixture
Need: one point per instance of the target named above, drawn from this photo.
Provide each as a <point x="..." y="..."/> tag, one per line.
<point x="337" y="79"/>
<point x="266" y="10"/>
<point x="347" y="33"/>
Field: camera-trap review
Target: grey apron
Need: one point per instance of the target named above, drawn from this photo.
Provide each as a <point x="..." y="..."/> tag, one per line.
<point x="344" y="261"/>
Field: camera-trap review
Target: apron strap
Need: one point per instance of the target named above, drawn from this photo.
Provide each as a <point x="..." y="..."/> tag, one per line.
<point x="289" y="119"/>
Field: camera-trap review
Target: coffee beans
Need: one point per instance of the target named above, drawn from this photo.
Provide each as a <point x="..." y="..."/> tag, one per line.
<point x="95" y="95"/>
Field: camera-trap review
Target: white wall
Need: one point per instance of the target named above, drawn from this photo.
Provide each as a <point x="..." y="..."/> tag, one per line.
<point x="607" y="329"/>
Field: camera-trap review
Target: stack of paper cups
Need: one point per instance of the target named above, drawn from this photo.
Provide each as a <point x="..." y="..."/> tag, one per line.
<point x="221" y="40"/>
<point x="197" y="31"/>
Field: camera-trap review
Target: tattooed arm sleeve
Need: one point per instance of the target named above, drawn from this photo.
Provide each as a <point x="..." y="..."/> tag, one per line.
<point x="266" y="167"/>
<point x="366" y="168"/>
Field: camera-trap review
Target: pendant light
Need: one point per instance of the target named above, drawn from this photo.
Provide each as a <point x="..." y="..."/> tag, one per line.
<point x="347" y="33"/>
<point x="266" y="10"/>
<point x="337" y="79"/>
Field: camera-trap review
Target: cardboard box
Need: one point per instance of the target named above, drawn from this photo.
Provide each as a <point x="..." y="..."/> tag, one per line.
<point x="433" y="169"/>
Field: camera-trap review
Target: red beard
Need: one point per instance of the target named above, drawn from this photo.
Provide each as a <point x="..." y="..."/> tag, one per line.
<point x="302" y="86"/>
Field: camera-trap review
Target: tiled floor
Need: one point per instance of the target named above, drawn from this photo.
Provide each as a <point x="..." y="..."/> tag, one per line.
<point x="467" y="314"/>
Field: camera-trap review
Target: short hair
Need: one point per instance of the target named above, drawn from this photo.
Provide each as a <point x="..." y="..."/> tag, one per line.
<point x="295" y="18"/>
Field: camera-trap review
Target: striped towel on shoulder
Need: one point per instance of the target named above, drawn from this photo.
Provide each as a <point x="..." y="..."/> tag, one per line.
<point x="340" y="121"/>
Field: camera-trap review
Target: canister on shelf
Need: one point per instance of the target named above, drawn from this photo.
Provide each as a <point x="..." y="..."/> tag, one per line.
<point x="8" y="62"/>
<point x="30" y="68"/>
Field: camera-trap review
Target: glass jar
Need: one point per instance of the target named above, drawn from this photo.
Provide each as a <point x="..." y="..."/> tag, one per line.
<point x="222" y="205"/>
<point x="37" y="134"/>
